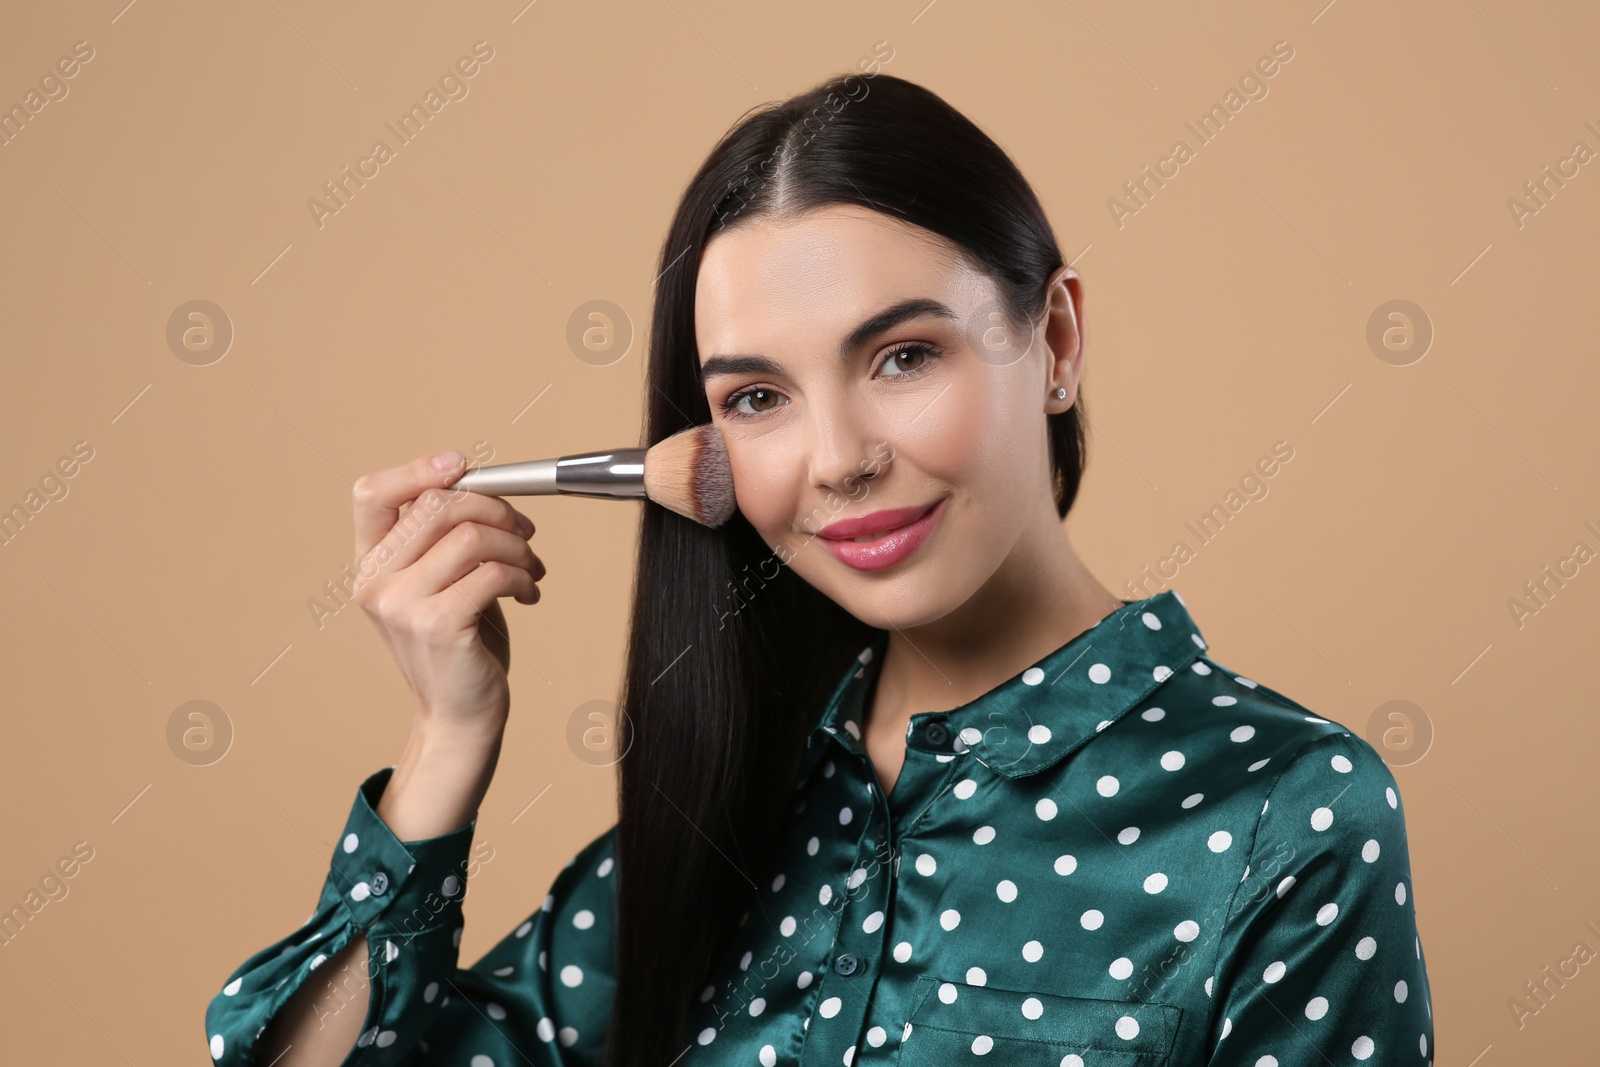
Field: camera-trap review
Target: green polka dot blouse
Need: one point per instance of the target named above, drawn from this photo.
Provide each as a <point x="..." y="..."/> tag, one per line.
<point x="1125" y="856"/>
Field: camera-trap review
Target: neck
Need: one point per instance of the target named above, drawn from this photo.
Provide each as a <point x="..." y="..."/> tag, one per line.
<point x="1041" y="597"/>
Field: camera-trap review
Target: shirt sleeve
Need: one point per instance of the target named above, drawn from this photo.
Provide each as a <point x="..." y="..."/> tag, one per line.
<point x="541" y="996"/>
<point x="1320" y="960"/>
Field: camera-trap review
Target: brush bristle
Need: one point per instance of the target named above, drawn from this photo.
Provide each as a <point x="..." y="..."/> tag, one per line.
<point x="689" y="473"/>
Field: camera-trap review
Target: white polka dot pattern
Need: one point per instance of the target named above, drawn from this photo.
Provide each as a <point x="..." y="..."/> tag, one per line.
<point x="1118" y="844"/>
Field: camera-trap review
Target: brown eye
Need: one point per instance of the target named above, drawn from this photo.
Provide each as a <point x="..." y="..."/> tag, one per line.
<point x="734" y="408"/>
<point x="907" y="360"/>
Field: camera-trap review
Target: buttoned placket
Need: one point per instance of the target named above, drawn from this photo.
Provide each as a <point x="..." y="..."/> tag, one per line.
<point x="865" y="931"/>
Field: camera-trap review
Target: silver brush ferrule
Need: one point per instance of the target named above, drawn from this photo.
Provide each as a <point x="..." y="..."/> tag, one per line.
<point x="617" y="472"/>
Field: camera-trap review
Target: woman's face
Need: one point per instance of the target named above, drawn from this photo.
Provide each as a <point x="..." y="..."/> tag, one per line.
<point x="856" y="367"/>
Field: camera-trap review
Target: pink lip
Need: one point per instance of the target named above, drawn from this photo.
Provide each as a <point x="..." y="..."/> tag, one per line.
<point x="897" y="542"/>
<point x="877" y="522"/>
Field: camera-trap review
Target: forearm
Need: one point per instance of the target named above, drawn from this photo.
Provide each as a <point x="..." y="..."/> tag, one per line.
<point x="320" y="1024"/>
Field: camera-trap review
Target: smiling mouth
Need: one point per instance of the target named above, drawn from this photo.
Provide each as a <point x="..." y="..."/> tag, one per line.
<point x="853" y="542"/>
<point x="877" y="525"/>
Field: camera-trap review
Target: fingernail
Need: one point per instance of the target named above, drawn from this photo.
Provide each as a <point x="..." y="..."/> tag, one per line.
<point x="524" y="524"/>
<point x="448" y="460"/>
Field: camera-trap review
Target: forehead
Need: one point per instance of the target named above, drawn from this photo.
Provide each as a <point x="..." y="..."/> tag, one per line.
<point x="818" y="275"/>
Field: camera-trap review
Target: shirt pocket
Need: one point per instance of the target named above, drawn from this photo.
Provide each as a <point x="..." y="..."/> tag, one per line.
<point x="1027" y="1028"/>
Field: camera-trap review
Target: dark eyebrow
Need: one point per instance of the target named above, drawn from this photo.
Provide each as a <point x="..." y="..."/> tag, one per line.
<point x="882" y="322"/>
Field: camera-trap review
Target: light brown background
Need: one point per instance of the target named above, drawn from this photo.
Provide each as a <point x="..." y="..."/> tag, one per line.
<point x="1228" y="314"/>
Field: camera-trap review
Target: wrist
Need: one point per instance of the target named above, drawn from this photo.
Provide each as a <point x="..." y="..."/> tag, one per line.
<point x="439" y="781"/>
<point x="439" y="736"/>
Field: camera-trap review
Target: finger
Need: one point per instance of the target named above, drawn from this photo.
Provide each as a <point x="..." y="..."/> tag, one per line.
<point x="461" y="551"/>
<point x="378" y="496"/>
<point x="432" y="516"/>
<point x="486" y="584"/>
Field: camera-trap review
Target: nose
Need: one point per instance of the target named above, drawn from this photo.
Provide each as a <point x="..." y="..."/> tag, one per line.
<point x="842" y="455"/>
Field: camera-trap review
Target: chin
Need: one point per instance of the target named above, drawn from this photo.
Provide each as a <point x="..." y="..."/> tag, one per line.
<point x="901" y="600"/>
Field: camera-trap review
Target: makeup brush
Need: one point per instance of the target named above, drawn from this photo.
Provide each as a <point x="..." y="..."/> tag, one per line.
<point x="687" y="473"/>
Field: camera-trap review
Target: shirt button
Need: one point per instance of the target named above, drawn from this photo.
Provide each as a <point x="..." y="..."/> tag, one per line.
<point x="380" y="884"/>
<point x="846" y="963"/>
<point x="936" y="733"/>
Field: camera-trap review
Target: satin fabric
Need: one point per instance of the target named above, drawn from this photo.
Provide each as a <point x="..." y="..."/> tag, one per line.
<point x="1127" y="855"/>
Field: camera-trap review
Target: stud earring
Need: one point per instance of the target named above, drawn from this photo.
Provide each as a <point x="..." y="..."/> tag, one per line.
<point x="1061" y="392"/>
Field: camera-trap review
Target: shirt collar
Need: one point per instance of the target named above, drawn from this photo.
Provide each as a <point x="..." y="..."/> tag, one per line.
<point x="1033" y="719"/>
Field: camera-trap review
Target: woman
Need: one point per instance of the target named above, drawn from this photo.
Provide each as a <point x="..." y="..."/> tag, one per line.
<point x="902" y="777"/>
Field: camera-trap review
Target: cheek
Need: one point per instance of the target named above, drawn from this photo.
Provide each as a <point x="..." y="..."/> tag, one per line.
<point x="767" y="481"/>
<point x="967" y="437"/>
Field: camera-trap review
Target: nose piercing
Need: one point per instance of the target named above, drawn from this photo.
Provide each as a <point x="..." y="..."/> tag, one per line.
<point x="1061" y="392"/>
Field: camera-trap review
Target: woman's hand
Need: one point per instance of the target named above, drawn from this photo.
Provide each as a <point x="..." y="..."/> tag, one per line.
<point x="430" y="580"/>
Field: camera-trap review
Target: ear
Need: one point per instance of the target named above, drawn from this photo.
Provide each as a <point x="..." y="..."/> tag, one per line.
<point x="1063" y="335"/>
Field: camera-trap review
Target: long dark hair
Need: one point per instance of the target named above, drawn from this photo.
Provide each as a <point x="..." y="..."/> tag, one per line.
<point x="730" y="654"/>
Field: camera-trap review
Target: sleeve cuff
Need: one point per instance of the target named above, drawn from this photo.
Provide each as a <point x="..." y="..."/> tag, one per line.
<point x="413" y="885"/>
